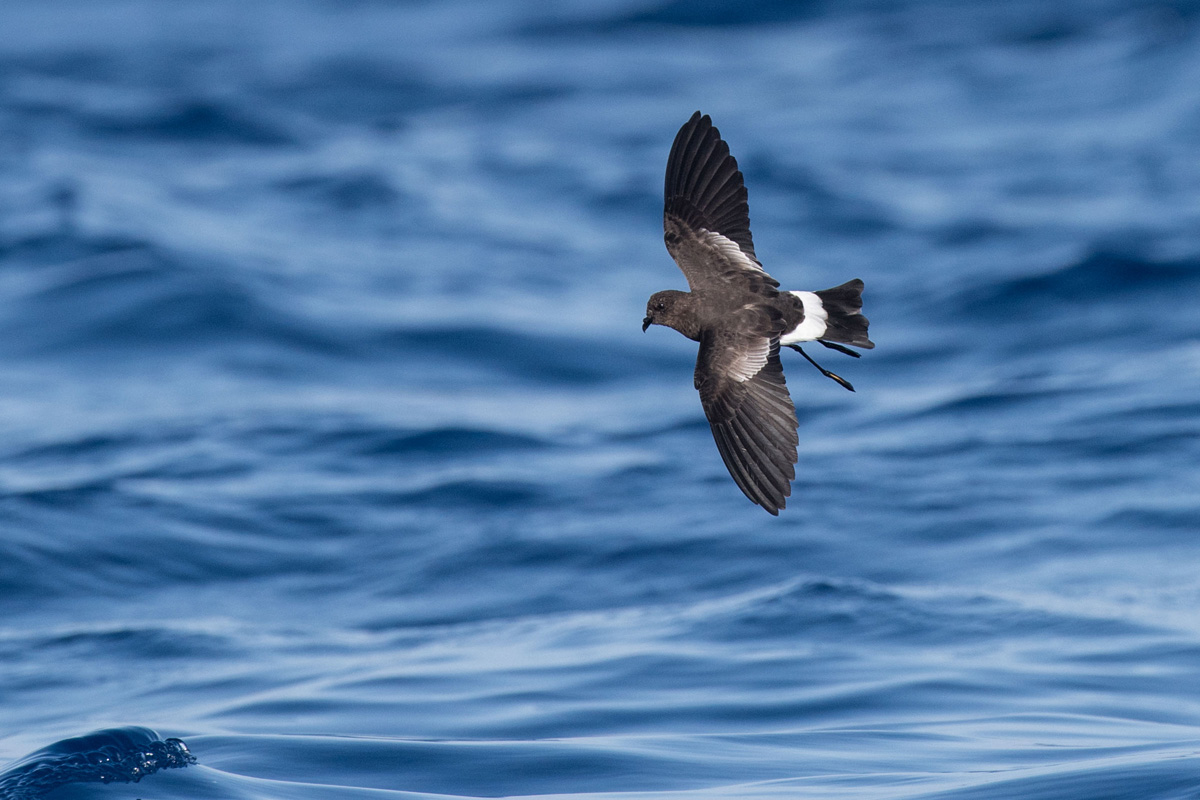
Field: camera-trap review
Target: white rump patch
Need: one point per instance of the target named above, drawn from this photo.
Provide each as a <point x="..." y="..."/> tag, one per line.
<point x="813" y="327"/>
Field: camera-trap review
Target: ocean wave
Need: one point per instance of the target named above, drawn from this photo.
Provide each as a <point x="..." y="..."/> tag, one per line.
<point x="136" y="640"/>
<point x="126" y="298"/>
<point x="123" y="293"/>
<point x="831" y="610"/>
<point x="675" y="13"/>
<point x="1159" y="773"/>
<point x="376" y="91"/>
<point x="463" y="495"/>
<point x="1101" y="278"/>
<point x="471" y="441"/>
<point x="113" y="755"/>
<point x="523" y="355"/>
<point x="208" y="122"/>
<point x="343" y="191"/>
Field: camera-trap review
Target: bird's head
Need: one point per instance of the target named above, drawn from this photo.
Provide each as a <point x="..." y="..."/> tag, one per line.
<point x="673" y="309"/>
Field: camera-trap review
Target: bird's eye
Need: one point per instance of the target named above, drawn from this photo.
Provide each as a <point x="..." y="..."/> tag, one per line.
<point x="660" y="305"/>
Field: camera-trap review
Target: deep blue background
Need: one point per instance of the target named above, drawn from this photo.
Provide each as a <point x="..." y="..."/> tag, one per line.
<point x="330" y="443"/>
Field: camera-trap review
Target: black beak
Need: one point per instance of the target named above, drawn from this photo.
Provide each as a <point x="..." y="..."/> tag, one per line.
<point x="645" y="324"/>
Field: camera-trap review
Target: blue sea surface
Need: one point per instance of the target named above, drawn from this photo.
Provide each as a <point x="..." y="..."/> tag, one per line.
<point x="331" y="447"/>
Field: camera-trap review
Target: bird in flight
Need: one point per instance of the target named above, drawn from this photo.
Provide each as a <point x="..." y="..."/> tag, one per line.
<point x="739" y="316"/>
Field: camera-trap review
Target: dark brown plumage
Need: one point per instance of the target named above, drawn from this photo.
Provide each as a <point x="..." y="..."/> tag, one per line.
<point x="738" y="315"/>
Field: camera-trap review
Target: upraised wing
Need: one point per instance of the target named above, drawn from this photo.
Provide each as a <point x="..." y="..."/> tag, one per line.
<point x="706" y="218"/>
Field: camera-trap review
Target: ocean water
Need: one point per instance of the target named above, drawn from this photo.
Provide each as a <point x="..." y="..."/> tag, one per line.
<point x="330" y="444"/>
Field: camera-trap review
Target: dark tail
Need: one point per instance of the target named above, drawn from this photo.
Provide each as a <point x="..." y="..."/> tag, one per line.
<point x="846" y="324"/>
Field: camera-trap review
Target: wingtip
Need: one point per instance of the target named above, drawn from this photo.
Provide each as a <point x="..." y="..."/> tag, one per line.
<point x="780" y="503"/>
<point x="699" y="120"/>
<point x="775" y="504"/>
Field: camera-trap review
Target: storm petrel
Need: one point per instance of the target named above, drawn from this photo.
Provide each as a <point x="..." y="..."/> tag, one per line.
<point x="740" y="318"/>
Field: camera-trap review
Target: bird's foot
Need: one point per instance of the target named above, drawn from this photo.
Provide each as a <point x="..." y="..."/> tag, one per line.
<point x="840" y="349"/>
<point x="832" y="376"/>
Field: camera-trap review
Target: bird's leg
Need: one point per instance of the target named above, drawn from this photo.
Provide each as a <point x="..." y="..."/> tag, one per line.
<point x="842" y="381"/>
<point x="840" y="349"/>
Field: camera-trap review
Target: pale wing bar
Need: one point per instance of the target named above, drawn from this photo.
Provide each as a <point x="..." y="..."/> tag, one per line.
<point x="753" y="420"/>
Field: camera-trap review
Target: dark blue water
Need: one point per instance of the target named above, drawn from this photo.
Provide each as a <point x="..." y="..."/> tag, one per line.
<point x="331" y="445"/>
